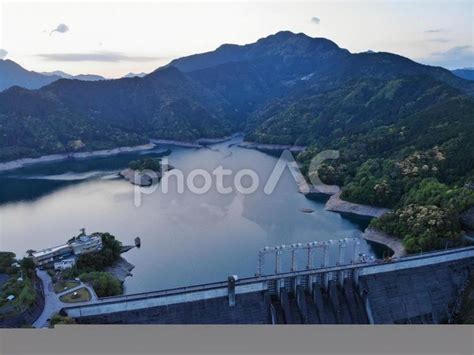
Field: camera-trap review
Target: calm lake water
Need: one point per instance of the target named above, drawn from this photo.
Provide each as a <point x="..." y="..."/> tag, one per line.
<point x="186" y="238"/>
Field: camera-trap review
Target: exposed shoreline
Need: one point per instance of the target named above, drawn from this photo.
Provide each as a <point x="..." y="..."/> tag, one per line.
<point x="20" y="163"/>
<point x="273" y="147"/>
<point x="336" y="204"/>
<point x="198" y="143"/>
<point x="377" y="236"/>
<point x="176" y="143"/>
<point x="121" y="269"/>
<point x="310" y="190"/>
<point x="53" y="158"/>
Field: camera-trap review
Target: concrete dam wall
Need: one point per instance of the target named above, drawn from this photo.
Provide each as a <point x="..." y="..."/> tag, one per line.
<point x="424" y="289"/>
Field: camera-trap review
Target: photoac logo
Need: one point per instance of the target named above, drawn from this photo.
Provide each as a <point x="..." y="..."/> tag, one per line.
<point x="245" y="181"/>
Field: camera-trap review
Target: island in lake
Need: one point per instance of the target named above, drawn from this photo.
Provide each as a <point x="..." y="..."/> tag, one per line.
<point x="146" y="171"/>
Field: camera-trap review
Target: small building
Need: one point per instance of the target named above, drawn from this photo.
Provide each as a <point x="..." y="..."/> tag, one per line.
<point x="86" y="244"/>
<point x="49" y="255"/>
<point x="82" y="244"/>
<point x="64" y="264"/>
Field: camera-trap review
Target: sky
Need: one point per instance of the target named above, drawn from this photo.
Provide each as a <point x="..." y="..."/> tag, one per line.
<point x="114" y="38"/>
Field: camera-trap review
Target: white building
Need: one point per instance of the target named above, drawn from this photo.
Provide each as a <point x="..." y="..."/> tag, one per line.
<point x="81" y="245"/>
<point x="49" y="255"/>
<point x="64" y="264"/>
<point x="86" y="244"/>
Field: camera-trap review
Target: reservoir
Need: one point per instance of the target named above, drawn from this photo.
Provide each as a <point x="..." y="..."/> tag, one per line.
<point x="186" y="238"/>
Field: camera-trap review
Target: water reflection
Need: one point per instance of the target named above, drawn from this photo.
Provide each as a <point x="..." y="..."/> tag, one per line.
<point x="186" y="238"/>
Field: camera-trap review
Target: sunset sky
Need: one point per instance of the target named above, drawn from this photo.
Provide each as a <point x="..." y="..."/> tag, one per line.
<point x="113" y="38"/>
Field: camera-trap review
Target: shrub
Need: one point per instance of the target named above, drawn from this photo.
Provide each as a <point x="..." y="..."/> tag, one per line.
<point x="109" y="254"/>
<point x="422" y="228"/>
<point x="6" y="260"/>
<point x="104" y="284"/>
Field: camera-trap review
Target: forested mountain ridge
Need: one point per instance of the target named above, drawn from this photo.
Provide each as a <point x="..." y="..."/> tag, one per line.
<point x="405" y="130"/>
<point x="70" y="115"/>
<point x="259" y="87"/>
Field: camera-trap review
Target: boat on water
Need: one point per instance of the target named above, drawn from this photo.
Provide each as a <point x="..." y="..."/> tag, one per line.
<point x="138" y="242"/>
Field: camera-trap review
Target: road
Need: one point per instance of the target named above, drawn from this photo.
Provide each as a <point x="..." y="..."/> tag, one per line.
<point x="52" y="303"/>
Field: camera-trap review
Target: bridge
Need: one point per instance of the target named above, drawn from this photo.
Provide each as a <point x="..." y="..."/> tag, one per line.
<point x="423" y="288"/>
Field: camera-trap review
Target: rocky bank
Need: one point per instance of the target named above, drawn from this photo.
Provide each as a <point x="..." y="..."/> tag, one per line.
<point x="374" y="235"/>
<point x="336" y="204"/>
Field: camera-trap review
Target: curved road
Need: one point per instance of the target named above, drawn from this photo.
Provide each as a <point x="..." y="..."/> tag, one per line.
<point x="52" y="303"/>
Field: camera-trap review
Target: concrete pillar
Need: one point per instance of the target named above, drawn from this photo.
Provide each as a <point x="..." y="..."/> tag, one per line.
<point x="342" y="249"/>
<point x="261" y="262"/>
<point x="355" y="254"/>
<point x="293" y="257"/>
<point x="231" y="289"/>
<point x="277" y="261"/>
<point x="355" y="277"/>
<point x="280" y="284"/>
<point x="310" y="283"/>
<point x="325" y="264"/>
<point x="326" y="276"/>
<point x="309" y="261"/>
<point x="368" y="309"/>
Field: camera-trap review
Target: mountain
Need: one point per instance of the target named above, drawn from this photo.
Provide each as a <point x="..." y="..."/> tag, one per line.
<point x="286" y="64"/>
<point x="133" y="75"/>
<point x="83" y="77"/>
<point x="286" y="87"/>
<point x="466" y="73"/>
<point x="106" y="114"/>
<point x="357" y="106"/>
<point x="12" y="74"/>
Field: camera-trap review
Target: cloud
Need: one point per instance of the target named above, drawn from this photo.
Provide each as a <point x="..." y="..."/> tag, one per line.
<point x="3" y="53"/>
<point x="435" y="30"/>
<point x="315" y="20"/>
<point x="455" y="57"/>
<point x="102" y="56"/>
<point x="438" y="40"/>
<point x="61" y="28"/>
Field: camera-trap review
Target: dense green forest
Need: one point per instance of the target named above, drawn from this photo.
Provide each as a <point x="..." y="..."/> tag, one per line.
<point x="415" y="158"/>
<point x="213" y="94"/>
<point x="146" y="164"/>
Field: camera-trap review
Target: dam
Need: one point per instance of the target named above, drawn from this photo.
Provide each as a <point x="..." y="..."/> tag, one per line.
<point x="418" y="289"/>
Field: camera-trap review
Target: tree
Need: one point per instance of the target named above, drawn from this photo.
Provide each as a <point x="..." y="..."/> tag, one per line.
<point x="104" y="284"/>
<point x="110" y="253"/>
<point x="422" y="228"/>
<point x="28" y="266"/>
<point x="6" y="260"/>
